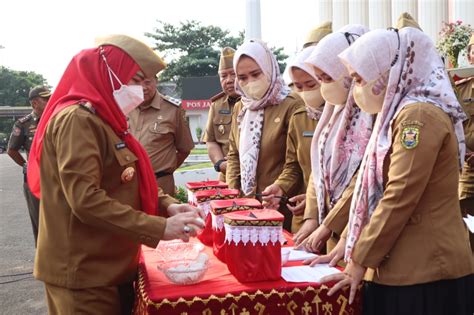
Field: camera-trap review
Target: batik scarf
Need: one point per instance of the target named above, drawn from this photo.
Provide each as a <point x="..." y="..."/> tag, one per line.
<point x="343" y="132"/>
<point x="417" y="75"/>
<point x="250" y="119"/>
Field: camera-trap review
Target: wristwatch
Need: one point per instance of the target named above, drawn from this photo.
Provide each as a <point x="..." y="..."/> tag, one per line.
<point x="217" y="166"/>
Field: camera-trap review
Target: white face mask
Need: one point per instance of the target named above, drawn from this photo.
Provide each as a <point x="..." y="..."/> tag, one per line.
<point x="128" y="97"/>
<point x="312" y="98"/>
<point x="256" y="89"/>
<point x="370" y="96"/>
<point x="335" y="92"/>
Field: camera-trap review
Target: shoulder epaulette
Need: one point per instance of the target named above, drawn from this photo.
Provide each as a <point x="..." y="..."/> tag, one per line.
<point x="26" y="118"/>
<point x="217" y="96"/>
<point x="300" y="110"/>
<point x="176" y="102"/>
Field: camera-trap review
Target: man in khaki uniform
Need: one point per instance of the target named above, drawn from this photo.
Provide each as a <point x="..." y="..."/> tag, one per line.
<point x="97" y="194"/>
<point x="160" y="126"/>
<point x="220" y="114"/>
<point x="21" y="137"/>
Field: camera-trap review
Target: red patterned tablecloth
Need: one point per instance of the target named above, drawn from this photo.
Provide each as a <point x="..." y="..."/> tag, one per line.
<point x="220" y="293"/>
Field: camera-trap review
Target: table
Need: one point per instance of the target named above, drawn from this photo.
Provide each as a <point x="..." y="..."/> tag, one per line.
<point x="220" y="293"/>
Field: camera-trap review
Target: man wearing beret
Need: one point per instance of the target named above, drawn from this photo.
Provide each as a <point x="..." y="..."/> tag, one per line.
<point x="160" y="125"/>
<point x="220" y="114"/>
<point x="99" y="198"/>
<point x="21" y="137"/>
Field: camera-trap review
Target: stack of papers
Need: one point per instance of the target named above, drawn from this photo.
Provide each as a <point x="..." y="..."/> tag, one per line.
<point x="307" y="273"/>
<point x="296" y="254"/>
<point x="469" y="222"/>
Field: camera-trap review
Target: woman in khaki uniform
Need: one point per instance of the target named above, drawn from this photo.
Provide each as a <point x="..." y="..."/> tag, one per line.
<point x="260" y="121"/>
<point x="338" y="145"/>
<point x="98" y="192"/>
<point x="405" y="220"/>
<point x="297" y="167"/>
<point x="465" y="89"/>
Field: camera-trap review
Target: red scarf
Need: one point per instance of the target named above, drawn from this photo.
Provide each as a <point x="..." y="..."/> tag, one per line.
<point x="86" y="79"/>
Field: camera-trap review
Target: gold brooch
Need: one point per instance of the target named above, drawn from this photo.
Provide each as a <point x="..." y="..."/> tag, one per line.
<point x="127" y="174"/>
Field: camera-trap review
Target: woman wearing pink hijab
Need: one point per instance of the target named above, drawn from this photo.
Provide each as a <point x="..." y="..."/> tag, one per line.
<point x="405" y="220"/>
<point x="257" y="141"/>
<point x="338" y="144"/>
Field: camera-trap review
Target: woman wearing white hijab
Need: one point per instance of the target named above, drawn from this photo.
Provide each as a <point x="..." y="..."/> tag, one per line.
<point x="297" y="167"/>
<point x="338" y="144"/>
<point x="405" y="219"/>
<point x="257" y="141"/>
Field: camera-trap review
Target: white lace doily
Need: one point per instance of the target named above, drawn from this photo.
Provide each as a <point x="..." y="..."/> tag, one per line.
<point x="254" y="234"/>
<point x="217" y="221"/>
<point x="205" y="206"/>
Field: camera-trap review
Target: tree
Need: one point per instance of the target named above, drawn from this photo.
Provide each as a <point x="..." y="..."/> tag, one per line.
<point x="15" y="86"/>
<point x="194" y="49"/>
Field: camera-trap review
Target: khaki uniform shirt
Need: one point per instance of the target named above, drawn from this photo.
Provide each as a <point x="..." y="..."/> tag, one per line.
<point x="272" y="146"/>
<point x="466" y="181"/>
<point x="91" y="227"/>
<point x="416" y="233"/>
<point x="23" y="132"/>
<point x="219" y="122"/>
<point x="162" y="129"/>
<point x="338" y="217"/>
<point x="297" y="167"/>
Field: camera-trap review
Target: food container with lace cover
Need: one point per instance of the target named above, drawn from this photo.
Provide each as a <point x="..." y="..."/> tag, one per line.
<point x="253" y="240"/>
<point x="218" y="209"/>
<point x="203" y="199"/>
<point x="192" y="187"/>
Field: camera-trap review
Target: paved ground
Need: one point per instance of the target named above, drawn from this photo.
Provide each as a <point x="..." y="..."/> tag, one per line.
<point x="19" y="292"/>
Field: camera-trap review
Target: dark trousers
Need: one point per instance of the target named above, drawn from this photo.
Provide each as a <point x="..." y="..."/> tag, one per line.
<point x="33" y="208"/>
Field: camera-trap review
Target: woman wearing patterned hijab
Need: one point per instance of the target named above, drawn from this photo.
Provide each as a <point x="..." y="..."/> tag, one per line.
<point x="298" y="143"/>
<point x="338" y="144"/>
<point x="405" y="219"/>
<point x="257" y="142"/>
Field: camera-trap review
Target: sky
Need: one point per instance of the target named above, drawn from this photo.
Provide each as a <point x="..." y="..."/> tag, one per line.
<point x="42" y="36"/>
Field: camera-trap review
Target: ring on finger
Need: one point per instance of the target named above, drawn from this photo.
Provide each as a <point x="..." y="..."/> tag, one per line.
<point x="186" y="229"/>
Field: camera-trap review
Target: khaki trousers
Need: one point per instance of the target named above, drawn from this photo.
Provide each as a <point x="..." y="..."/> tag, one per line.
<point x="167" y="184"/>
<point x="103" y="300"/>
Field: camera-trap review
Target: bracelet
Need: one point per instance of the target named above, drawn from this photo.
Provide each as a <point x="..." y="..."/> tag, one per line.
<point x="217" y="166"/>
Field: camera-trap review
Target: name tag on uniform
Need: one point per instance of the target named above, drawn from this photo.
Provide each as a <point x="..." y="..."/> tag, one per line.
<point x="308" y="133"/>
<point x="224" y="111"/>
<point x="120" y="145"/>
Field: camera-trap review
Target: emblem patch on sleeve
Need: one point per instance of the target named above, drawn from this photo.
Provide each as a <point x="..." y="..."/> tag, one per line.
<point x="16" y="131"/>
<point x="410" y="137"/>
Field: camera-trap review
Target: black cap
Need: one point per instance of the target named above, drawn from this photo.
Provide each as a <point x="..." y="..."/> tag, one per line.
<point x="39" y="91"/>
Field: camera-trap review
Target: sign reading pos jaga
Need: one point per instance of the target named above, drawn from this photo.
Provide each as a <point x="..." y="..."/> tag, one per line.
<point x="195" y="104"/>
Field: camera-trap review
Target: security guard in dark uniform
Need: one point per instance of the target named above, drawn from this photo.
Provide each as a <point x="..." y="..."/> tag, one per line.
<point x="21" y="137"/>
<point x="220" y="114"/>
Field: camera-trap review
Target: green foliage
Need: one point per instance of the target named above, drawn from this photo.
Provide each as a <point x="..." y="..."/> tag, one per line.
<point x="194" y="49"/>
<point x="453" y="38"/>
<point x="181" y="195"/>
<point x="15" y="86"/>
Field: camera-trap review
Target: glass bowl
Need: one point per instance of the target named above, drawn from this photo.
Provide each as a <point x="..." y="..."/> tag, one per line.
<point x="178" y="250"/>
<point x="285" y="255"/>
<point x="185" y="271"/>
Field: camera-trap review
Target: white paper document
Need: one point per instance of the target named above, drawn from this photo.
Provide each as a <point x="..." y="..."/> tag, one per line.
<point x="299" y="255"/>
<point x="307" y="273"/>
<point x="469" y="222"/>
